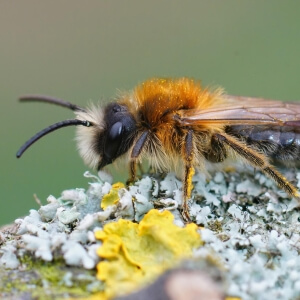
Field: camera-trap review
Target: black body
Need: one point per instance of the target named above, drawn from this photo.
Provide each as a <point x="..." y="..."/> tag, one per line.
<point x="280" y="143"/>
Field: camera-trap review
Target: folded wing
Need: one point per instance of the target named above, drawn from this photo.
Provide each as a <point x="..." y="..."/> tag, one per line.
<point x="236" y="110"/>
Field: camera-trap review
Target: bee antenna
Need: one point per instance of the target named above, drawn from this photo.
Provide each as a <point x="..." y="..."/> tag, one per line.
<point x="49" y="129"/>
<point x="48" y="99"/>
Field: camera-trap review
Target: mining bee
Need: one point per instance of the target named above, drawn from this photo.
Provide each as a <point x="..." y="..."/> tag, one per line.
<point x="176" y="124"/>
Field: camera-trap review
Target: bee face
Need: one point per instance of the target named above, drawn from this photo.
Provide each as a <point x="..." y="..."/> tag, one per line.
<point x="110" y="137"/>
<point x="172" y="122"/>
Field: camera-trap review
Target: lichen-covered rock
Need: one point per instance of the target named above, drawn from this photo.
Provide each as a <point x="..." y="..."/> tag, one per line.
<point x="249" y="227"/>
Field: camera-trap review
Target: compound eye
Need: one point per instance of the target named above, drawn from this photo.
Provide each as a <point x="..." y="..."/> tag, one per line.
<point x="115" y="131"/>
<point x="113" y="141"/>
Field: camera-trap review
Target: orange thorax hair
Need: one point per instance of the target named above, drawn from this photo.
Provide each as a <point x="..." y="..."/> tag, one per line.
<point x="156" y="100"/>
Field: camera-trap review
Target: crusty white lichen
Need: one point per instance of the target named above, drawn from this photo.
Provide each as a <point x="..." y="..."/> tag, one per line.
<point x="250" y="225"/>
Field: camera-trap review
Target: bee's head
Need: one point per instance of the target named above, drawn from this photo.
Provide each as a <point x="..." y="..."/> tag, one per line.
<point x="110" y="136"/>
<point x="103" y="134"/>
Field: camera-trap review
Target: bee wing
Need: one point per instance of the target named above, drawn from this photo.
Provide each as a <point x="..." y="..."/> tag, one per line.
<point x="244" y="111"/>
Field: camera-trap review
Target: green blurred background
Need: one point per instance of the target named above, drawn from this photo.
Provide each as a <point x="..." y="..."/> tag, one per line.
<point x="84" y="51"/>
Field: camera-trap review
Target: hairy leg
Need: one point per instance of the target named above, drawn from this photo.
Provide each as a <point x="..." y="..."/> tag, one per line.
<point x="259" y="161"/>
<point x="189" y="171"/>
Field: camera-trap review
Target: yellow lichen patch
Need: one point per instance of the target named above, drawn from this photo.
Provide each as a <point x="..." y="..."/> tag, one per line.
<point x="135" y="254"/>
<point x="112" y="197"/>
<point x="96" y="296"/>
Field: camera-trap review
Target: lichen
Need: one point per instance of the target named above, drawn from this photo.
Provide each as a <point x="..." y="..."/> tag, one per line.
<point x="135" y="254"/>
<point x="248" y="226"/>
<point x="112" y="197"/>
<point x="45" y="280"/>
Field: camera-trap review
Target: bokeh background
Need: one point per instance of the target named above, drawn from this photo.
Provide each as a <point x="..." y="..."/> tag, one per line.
<point x="84" y="51"/>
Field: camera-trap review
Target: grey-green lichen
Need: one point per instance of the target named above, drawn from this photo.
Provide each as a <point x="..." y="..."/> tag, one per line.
<point x="44" y="280"/>
<point x="248" y="225"/>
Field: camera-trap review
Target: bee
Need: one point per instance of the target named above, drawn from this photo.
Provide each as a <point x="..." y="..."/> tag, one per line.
<point x="178" y="124"/>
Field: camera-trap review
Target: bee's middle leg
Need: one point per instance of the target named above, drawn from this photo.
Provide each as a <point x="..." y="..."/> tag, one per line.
<point x="189" y="171"/>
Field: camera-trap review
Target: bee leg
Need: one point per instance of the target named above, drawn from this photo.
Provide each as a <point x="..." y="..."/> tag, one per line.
<point x="132" y="171"/>
<point x="133" y="168"/>
<point x="141" y="168"/>
<point x="216" y="152"/>
<point x="258" y="160"/>
<point x="189" y="171"/>
<point x="135" y="153"/>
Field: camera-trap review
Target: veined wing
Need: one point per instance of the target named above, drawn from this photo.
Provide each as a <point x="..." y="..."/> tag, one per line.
<point x="244" y="111"/>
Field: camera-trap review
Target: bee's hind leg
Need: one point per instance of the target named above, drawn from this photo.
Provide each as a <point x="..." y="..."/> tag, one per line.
<point x="258" y="160"/>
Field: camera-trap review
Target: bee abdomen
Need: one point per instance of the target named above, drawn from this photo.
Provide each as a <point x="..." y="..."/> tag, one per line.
<point x="280" y="143"/>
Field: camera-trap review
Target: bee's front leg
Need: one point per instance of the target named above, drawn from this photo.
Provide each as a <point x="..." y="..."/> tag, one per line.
<point x="132" y="172"/>
<point x="135" y="153"/>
